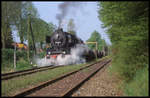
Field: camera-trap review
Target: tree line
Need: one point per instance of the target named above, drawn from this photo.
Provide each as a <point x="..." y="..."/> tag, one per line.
<point x="96" y="37"/>
<point x="127" y="26"/>
<point x="22" y="17"/>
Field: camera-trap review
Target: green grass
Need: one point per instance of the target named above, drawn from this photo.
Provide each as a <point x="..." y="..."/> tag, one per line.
<point x="19" y="83"/>
<point x="7" y="64"/>
<point x="139" y="85"/>
<point x="21" y="64"/>
<point x="7" y="69"/>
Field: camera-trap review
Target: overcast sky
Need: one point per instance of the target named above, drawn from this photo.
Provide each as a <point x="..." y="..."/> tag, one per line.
<point x="85" y="18"/>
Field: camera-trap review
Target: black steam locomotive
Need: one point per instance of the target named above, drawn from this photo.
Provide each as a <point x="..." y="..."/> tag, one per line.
<point x="61" y="43"/>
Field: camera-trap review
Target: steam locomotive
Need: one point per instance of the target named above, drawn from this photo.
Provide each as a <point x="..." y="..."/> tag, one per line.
<point x="61" y="43"/>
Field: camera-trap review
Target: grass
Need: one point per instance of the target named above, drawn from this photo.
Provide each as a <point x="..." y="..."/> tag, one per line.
<point x="7" y="69"/>
<point x="21" y="64"/>
<point x="139" y="85"/>
<point x="16" y="84"/>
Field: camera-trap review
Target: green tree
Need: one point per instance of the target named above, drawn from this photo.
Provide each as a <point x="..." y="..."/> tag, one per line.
<point x="41" y="29"/>
<point x="9" y="19"/>
<point x="14" y="17"/>
<point x="26" y="9"/>
<point x="127" y="25"/>
<point x="71" y="27"/>
<point x="96" y="37"/>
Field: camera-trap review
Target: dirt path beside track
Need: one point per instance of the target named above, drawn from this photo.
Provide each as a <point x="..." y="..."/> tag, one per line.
<point x="102" y="84"/>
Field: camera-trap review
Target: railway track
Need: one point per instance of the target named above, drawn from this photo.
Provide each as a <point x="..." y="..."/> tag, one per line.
<point x="66" y="84"/>
<point x="10" y="75"/>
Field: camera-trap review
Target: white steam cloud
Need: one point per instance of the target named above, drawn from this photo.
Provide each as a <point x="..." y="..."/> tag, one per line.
<point x="75" y="57"/>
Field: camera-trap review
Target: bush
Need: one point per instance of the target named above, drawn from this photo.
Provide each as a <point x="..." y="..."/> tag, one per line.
<point x="23" y="64"/>
<point x="41" y="54"/>
<point x="8" y="58"/>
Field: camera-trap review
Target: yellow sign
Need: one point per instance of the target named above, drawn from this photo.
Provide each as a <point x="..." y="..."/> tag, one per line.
<point x="20" y="45"/>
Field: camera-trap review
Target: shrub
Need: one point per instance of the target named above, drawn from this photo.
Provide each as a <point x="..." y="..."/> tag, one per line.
<point x="23" y="64"/>
<point x="42" y="54"/>
<point x="8" y="58"/>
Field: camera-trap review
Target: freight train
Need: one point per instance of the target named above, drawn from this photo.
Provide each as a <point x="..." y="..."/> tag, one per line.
<point x="62" y="42"/>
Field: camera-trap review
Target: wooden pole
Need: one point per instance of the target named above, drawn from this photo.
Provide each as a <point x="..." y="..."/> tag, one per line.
<point x="28" y="52"/>
<point x="32" y="38"/>
<point x="15" y="56"/>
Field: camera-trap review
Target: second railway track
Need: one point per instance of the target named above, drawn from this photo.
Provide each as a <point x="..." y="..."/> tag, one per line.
<point x="66" y="84"/>
<point x="10" y="75"/>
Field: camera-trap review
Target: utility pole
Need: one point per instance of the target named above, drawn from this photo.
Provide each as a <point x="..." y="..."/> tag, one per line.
<point x="32" y="37"/>
<point x="15" y="56"/>
<point x="28" y="52"/>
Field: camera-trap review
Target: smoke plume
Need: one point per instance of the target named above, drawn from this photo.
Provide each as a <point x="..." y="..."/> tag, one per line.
<point x="74" y="58"/>
<point x="64" y="10"/>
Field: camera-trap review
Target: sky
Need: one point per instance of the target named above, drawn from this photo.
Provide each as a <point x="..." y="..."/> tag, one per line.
<point x="85" y="18"/>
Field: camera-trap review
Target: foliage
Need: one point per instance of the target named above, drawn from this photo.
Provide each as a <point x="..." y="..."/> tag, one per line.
<point x="71" y="26"/>
<point x="127" y="25"/>
<point x="42" y="54"/>
<point x="41" y="29"/>
<point x="23" y="64"/>
<point x="139" y="85"/>
<point x="15" y="16"/>
<point x="8" y="19"/>
<point x="96" y="37"/>
<point x="26" y="9"/>
<point x="8" y="59"/>
<point x="127" y="32"/>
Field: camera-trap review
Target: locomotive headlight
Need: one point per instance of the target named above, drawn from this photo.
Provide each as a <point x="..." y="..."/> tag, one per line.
<point x="49" y="52"/>
<point x="64" y="52"/>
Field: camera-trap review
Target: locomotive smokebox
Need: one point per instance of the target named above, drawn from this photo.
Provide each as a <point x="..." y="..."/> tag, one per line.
<point x="58" y="38"/>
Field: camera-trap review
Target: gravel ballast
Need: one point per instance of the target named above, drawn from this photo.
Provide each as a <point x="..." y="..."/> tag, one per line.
<point x="101" y="84"/>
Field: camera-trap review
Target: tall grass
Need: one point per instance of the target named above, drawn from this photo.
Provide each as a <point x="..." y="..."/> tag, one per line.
<point x="7" y="63"/>
<point x="139" y="85"/>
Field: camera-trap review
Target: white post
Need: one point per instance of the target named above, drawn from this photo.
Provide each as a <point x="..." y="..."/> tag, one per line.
<point x="15" y="57"/>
